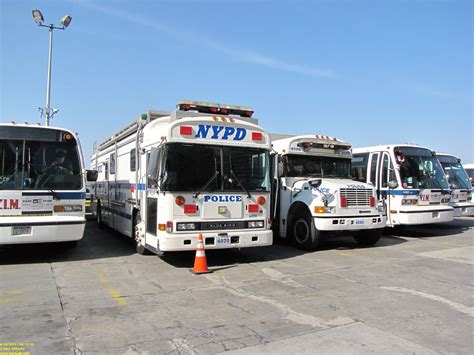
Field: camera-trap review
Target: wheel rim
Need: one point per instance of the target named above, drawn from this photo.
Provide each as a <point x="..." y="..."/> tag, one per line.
<point x="301" y="231"/>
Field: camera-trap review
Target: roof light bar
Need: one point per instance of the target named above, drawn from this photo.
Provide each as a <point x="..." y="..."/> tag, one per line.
<point x="208" y="107"/>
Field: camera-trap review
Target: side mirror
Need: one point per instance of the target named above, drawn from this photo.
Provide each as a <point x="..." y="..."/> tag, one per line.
<point x="282" y="166"/>
<point x="315" y="183"/>
<point x="92" y="175"/>
<point x="392" y="185"/>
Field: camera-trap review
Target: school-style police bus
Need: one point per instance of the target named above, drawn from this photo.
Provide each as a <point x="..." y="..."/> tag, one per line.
<point x="461" y="189"/>
<point x="169" y="176"/>
<point x="42" y="185"/>
<point x="315" y="195"/>
<point x="409" y="178"/>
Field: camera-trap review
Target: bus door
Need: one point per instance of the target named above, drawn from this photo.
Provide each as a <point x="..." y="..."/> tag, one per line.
<point x="150" y="210"/>
<point x="113" y="191"/>
<point x="373" y="171"/>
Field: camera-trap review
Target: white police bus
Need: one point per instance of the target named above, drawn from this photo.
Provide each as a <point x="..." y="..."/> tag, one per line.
<point x="461" y="189"/>
<point x="409" y="178"/>
<point x="169" y="176"/>
<point x="315" y="194"/>
<point x="42" y="185"/>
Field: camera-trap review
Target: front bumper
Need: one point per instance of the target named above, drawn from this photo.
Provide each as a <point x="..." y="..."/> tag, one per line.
<point x="463" y="209"/>
<point x="417" y="215"/>
<point x="239" y="239"/>
<point x="349" y="223"/>
<point x="43" y="230"/>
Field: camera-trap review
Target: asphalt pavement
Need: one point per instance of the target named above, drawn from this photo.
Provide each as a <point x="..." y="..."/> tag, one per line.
<point x="412" y="293"/>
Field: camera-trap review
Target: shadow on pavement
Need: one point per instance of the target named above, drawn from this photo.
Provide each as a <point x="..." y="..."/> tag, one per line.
<point x="458" y="226"/>
<point x="96" y="244"/>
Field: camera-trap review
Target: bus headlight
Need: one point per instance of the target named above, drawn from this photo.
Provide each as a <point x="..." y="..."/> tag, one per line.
<point x="186" y="226"/>
<point x="380" y="207"/>
<point x="256" y="224"/>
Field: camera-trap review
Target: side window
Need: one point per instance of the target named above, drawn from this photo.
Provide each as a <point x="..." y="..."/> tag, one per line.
<point x="112" y="163"/>
<point x="385" y="162"/>
<point x="106" y="170"/>
<point x="133" y="160"/>
<point x="373" y="168"/>
<point x="359" y="167"/>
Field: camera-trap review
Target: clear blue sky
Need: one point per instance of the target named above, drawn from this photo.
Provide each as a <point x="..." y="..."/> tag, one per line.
<point x="369" y="72"/>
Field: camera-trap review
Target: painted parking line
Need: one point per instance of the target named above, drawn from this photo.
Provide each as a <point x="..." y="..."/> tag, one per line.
<point x="11" y="297"/>
<point x="106" y="283"/>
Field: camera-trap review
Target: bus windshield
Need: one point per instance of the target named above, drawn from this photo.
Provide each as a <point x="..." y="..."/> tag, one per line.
<point x="419" y="169"/>
<point x="457" y="176"/>
<point x="317" y="166"/>
<point x="29" y="164"/>
<point x="190" y="167"/>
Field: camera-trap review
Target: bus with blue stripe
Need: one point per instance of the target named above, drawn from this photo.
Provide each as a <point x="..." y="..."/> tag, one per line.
<point x="461" y="189"/>
<point x="42" y="185"/>
<point x="409" y="179"/>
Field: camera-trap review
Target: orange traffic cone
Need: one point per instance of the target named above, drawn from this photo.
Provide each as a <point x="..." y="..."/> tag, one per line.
<point x="200" y="261"/>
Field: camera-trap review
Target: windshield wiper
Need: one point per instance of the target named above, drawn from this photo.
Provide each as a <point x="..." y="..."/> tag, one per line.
<point x="240" y="184"/>
<point x="213" y="177"/>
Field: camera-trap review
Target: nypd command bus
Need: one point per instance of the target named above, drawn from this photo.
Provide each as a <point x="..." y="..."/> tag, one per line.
<point x="169" y="176"/>
<point x="461" y="189"/>
<point x="410" y="180"/>
<point x="315" y="195"/>
<point x="42" y="185"/>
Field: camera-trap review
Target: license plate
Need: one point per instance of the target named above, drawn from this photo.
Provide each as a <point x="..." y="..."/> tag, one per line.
<point x="359" y="221"/>
<point x="21" y="230"/>
<point x="223" y="240"/>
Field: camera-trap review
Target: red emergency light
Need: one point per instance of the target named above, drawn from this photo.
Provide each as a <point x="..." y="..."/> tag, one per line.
<point x="257" y="136"/>
<point x="252" y="208"/>
<point x="186" y="130"/>
<point x="343" y="201"/>
<point x="190" y="209"/>
<point x="372" y="201"/>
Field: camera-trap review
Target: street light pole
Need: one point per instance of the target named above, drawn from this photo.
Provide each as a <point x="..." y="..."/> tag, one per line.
<point x="65" y="21"/>
<point x="48" y="85"/>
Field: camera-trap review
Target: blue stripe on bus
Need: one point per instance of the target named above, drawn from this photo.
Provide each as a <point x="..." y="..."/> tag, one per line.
<point x="117" y="212"/>
<point x="123" y="185"/>
<point x="70" y="195"/>
<point x="59" y="195"/>
<point x="401" y="192"/>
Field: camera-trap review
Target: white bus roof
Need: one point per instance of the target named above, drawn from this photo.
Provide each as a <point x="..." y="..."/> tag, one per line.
<point x="385" y="147"/>
<point x="284" y="143"/>
<point x="37" y="126"/>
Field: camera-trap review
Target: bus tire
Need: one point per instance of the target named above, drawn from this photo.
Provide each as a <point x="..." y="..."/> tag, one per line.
<point x="98" y="216"/>
<point x="304" y="232"/>
<point x="138" y="235"/>
<point x="369" y="237"/>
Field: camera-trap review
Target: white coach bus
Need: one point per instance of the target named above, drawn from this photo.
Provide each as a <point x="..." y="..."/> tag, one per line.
<point x="315" y="194"/>
<point x="42" y="185"/>
<point x="169" y="176"/>
<point x="409" y="178"/>
<point x="461" y="189"/>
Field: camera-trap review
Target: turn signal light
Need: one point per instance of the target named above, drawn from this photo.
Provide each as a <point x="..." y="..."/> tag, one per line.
<point x="343" y="201"/>
<point x="261" y="200"/>
<point x="319" y="209"/>
<point x="180" y="200"/>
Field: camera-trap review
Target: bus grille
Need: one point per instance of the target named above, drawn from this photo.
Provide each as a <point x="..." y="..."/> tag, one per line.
<point x="357" y="197"/>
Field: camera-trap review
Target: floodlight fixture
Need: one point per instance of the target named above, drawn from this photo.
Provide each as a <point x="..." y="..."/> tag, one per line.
<point x="65" y="21"/>
<point x="38" y="16"/>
